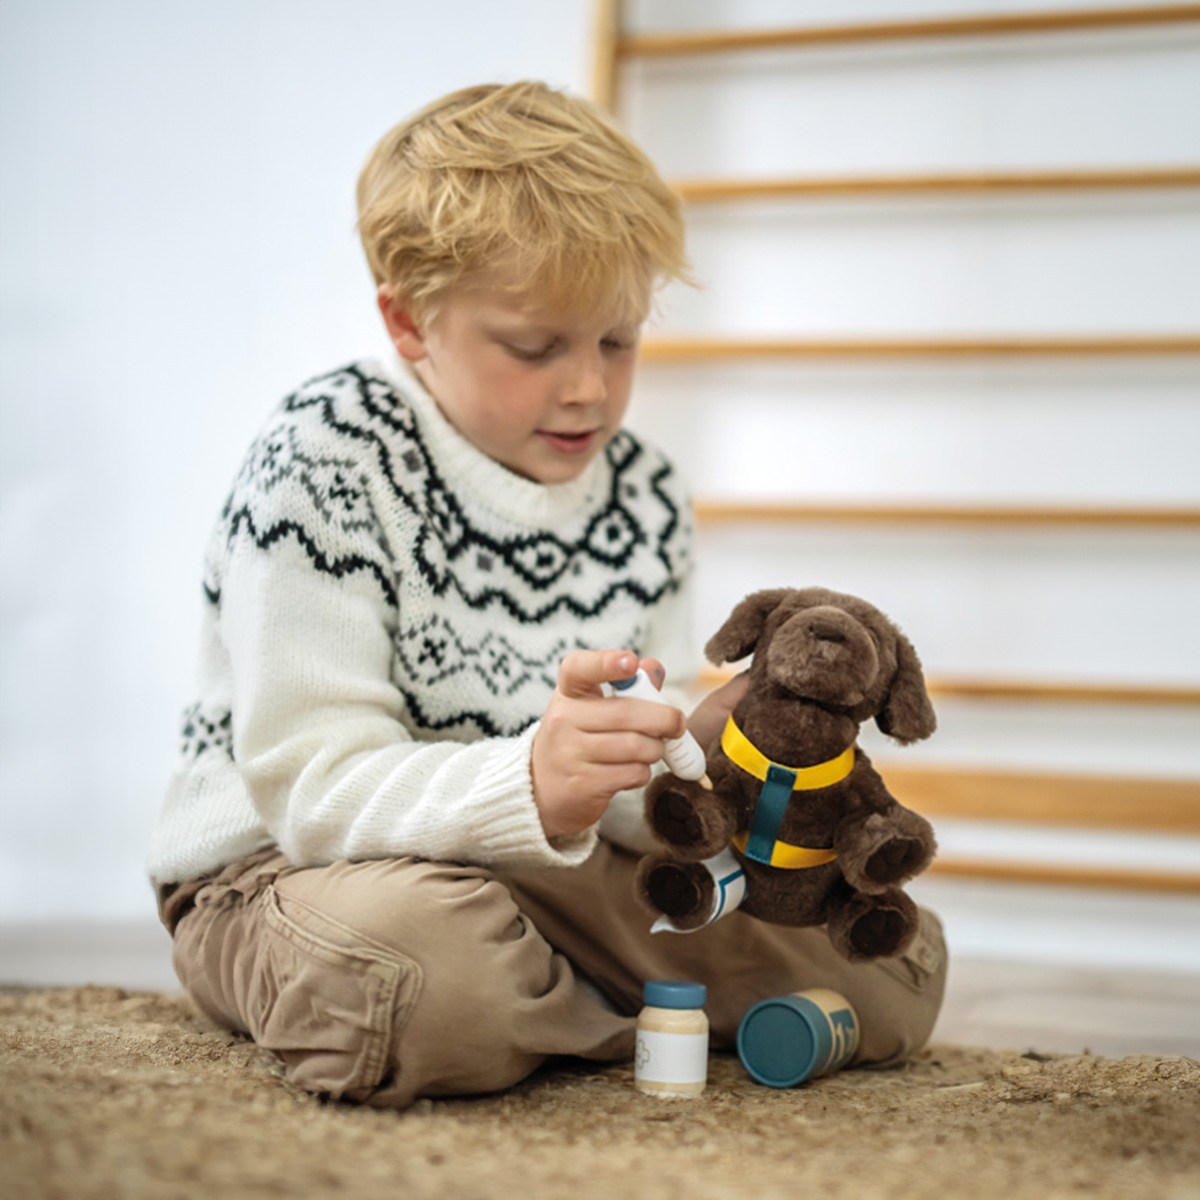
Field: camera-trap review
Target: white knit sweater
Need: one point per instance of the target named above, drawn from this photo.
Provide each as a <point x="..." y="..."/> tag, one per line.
<point x="386" y="611"/>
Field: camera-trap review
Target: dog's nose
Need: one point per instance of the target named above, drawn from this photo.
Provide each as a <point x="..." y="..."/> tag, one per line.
<point x="827" y="631"/>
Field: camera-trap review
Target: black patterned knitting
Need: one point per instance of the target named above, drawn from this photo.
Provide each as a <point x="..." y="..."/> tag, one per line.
<point x="345" y="472"/>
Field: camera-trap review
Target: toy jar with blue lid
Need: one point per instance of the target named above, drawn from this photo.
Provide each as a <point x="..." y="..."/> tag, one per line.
<point x="671" y="1058"/>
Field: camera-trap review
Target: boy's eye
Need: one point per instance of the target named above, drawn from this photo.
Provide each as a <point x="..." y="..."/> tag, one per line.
<point x="530" y="353"/>
<point x="539" y="353"/>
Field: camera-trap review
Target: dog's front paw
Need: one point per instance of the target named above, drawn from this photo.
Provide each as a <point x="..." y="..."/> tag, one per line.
<point x="688" y="817"/>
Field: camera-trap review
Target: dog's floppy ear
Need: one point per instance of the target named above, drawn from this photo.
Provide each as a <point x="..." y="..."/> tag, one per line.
<point x="907" y="713"/>
<point x="743" y="627"/>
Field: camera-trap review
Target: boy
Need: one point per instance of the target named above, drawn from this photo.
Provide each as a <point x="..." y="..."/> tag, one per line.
<point x="381" y="855"/>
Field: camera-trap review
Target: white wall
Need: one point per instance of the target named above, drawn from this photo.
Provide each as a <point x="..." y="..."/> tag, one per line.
<point x="177" y="251"/>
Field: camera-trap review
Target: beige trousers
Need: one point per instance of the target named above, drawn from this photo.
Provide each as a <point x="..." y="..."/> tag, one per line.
<point x="388" y="980"/>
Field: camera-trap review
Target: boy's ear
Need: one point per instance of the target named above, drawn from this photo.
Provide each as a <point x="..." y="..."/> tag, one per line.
<point x="402" y="328"/>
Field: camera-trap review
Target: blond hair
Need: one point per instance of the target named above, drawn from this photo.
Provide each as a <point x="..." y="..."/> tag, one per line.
<point x="524" y="183"/>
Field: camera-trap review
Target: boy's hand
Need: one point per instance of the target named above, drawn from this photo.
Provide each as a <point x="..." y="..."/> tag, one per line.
<point x="589" y="746"/>
<point x="707" y="720"/>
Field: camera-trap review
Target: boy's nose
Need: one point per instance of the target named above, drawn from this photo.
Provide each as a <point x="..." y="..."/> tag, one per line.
<point x="585" y="382"/>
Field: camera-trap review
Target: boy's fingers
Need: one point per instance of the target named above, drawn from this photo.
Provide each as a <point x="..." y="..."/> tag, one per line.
<point x="582" y="672"/>
<point x="734" y="689"/>
<point x="625" y="748"/>
<point x="709" y="716"/>
<point x="656" y="720"/>
<point x="656" y="671"/>
<point x="621" y="714"/>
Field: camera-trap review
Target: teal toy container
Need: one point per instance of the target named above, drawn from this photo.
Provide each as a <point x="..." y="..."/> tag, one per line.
<point x="787" y="1040"/>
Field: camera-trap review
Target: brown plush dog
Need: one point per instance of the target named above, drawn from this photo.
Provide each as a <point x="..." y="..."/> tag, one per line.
<point x="818" y="835"/>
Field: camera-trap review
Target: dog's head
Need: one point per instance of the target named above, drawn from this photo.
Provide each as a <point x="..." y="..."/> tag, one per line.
<point x="833" y="649"/>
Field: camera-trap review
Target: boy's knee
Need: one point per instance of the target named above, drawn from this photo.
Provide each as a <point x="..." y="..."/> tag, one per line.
<point x="899" y="1004"/>
<point x="382" y="982"/>
<point x="469" y="968"/>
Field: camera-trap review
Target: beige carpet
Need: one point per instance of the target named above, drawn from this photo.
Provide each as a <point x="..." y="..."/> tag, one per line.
<point x="112" y="1094"/>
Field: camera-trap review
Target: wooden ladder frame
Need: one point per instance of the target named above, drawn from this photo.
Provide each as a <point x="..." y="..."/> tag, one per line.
<point x="1163" y="806"/>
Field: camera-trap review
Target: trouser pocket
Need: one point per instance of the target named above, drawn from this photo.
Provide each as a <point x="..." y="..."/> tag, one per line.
<point x="925" y="959"/>
<point x="327" y="999"/>
<point x="324" y="997"/>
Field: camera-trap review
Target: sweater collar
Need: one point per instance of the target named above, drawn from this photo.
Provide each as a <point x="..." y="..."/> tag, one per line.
<point x="467" y="470"/>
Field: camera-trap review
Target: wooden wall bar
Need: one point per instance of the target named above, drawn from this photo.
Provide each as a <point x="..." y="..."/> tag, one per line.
<point x="702" y="191"/>
<point x="658" y="45"/>
<point x="1143" y="803"/>
<point x="751" y="512"/>
<point x="1028" y="690"/>
<point x="1064" y="693"/>
<point x="1049" y="874"/>
<point x="605" y="55"/>
<point x="705" y="349"/>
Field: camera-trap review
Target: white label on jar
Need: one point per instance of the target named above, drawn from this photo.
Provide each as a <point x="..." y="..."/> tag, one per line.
<point x="671" y="1057"/>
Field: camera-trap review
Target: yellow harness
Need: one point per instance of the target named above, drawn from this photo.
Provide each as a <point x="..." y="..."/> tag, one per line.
<point x="759" y="842"/>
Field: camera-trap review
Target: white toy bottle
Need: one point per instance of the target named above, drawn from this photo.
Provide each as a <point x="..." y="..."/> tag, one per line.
<point x="671" y="1058"/>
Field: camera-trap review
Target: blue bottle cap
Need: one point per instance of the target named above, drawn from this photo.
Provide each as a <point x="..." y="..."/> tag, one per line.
<point x="784" y="1041"/>
<point x="671" y="993"/>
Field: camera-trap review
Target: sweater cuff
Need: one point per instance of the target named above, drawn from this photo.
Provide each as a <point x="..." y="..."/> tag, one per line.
<point x="508" y="828"/>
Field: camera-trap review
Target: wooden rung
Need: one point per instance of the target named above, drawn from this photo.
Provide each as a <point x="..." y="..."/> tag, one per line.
<point x="713" y="512"/>
<point x="1148" y="804"/>
<point x="700" y="191"/>
<point x="1065" y="693"/>
<point x="658" y="45"/>
<point x="1066" y="876"/>
<point x="1023" y="690"/>
<point x="705" y="349"/>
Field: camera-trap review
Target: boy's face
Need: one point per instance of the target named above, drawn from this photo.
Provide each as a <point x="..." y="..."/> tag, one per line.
<point x="539" y="391"/>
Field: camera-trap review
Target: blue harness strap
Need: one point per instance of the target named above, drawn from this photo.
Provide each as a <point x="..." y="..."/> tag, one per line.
<point x="768" y="816"/>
